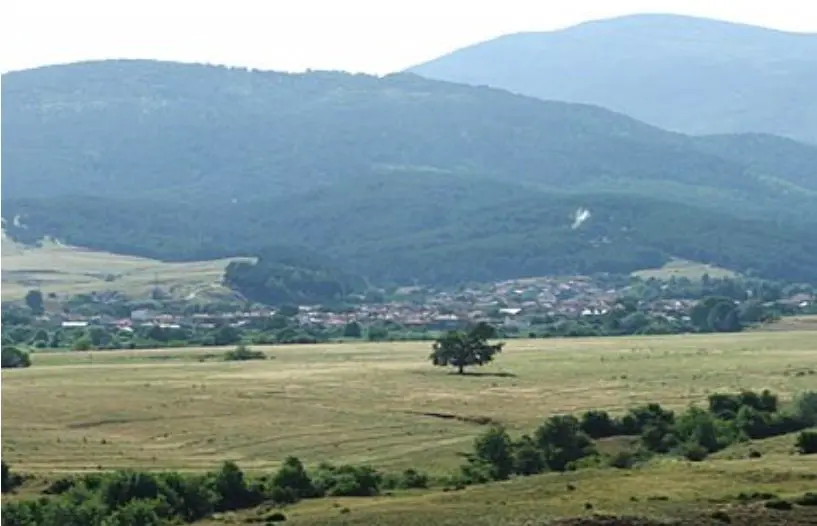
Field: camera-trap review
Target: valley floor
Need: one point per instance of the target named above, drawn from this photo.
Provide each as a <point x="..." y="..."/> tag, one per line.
<point x="384" y="405"/>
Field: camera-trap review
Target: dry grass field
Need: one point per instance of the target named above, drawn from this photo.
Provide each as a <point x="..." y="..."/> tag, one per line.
<point x="680" y="268"/>
<point x="375" y="403"/>
<point x="70" y="270"/>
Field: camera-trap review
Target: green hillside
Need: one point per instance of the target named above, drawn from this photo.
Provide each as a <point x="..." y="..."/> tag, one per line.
<point x="396" y="178"/>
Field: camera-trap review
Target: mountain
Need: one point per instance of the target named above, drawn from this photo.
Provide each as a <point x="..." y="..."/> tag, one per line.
<point x="396" y="179"/>
<point x="681" y="73"/>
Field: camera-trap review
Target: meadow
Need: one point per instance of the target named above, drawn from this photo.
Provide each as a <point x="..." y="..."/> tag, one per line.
<point x="376" y="403"/>
<point x="384" y="405"/>
<point x="62" y="269"/>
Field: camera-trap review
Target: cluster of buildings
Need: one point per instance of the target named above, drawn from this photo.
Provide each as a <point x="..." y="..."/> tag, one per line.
<point x="515" y="303"/>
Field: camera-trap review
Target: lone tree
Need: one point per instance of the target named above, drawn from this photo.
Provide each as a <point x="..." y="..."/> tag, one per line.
<point x="34" y="300"/>
<point x="462" y="349"/>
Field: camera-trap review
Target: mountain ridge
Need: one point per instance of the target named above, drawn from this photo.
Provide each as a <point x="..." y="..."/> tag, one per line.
<point x="688" y="74"/>
<point x="399" y="178"/>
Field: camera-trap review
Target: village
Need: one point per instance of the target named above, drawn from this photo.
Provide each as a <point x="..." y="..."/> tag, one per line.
<point x="514" y="304"/>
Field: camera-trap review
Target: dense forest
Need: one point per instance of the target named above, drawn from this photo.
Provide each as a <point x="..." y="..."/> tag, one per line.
<point x="678" y="72"/>
<point x="396" y="179"/>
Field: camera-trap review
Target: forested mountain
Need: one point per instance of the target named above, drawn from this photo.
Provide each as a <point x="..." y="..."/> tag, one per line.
<point x="397" y="178"/>
<point x="682" y="73"/>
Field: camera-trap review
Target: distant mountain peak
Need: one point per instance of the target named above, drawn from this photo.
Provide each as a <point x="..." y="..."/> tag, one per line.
<point x="684" y="73"/>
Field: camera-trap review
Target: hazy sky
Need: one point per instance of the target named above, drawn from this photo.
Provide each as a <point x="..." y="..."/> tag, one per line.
<point x="354" y="35"/>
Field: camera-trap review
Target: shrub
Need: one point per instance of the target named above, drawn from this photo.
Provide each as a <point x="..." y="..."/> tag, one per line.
<point x="408" y="479"/>
<point x="242" y="352"/>
<point x="598" y="424"/>
<point x="293" y="477"/>
<point x="694" y="452"/>
<point x="231" y="489"/>
<point x="14" y="358"/>
<point x="778" y="504"/>
<point x="640" y="418"/>
<point x="189" y="496"/>
<point x="347" y="481"/>
<point x="10" y="481"/>
<point x="275" y="516"/>
<point x="138" y="513"/>
<point x="628" y="459"/>
<point x="805" y="408"/>
<point x="562" y="442"/>
<point x="807" y="443"/>
<point x="527" y="458"/>
<point x="60" y="486"/>
<point x="473" y="472"/>
<point x="721" y="516"/>
<point x="494" y="449"/>
<point x="808" y="499"/>
<point x="413" y="479"/>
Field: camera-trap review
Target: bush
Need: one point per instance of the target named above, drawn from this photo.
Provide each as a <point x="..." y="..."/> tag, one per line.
<point x="10" y="481"/>
<point x="805" y="408"/>
<point x="598" y="424"/>
<point x="628" y="459"/>
<point x="640" y="418"/>
<point x="413" y="479"/>
<point x="275" y="516"/>
<point x="495" y="450"/>
<point x="778" y="504"/>
<point x="694" y="452"/>
<point x="14" y="358"/>
<point x="562" y="442"/>
<point x="231" y="489"/>
<point x="527" y="458"/>
<point x="293" y="477"/>
<point x="807" y="443"/>
<point x="60" y="486"/>
<point x="138" y="513"/>
<point x="808" y="499"/>
<point x="347" y="481"/>
<point x="242" y="352"/>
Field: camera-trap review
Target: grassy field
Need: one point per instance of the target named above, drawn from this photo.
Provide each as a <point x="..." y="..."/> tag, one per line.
<point x="69" y="270"/>
<point x="362" y="403"/>
<point x="793" y="323"/>
<point x="680" y="268"/>
<point x="384" y="405"/>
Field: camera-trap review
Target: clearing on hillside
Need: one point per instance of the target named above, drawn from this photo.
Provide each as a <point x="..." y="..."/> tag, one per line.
<point x="61" y="269"/>
<point x="680" y="268"/>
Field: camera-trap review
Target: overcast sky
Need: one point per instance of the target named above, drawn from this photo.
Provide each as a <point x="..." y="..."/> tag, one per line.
<point x="354" y="35"/>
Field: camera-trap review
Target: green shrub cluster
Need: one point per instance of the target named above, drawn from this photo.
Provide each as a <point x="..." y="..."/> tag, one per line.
<point x="14" y="358"/>
<point x="131" y="498"/>
<point x="557" y="445"/>
<point x="807" y="443"/>
<point x="242" y="353"/>
<point x="565" y="442"/>
<point x="10" y="480"/>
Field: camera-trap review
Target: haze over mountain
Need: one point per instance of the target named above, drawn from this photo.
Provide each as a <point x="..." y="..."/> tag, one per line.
<point x="682" y="73"/>
<point x="397" y="179"/>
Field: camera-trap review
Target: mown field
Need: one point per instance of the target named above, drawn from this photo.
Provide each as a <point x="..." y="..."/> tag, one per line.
<point x="378" y="403"/>
<point x="383" y="404"/>
<point x="70" y="270"/>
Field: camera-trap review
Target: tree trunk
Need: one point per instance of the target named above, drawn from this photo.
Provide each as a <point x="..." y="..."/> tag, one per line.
<point x="461" y="369"/>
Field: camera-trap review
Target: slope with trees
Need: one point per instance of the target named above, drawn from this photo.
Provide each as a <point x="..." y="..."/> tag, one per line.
<point x="398" y="179"/>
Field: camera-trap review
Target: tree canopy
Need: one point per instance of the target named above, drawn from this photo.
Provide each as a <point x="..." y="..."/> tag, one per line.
<point x="461" y="349"/>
